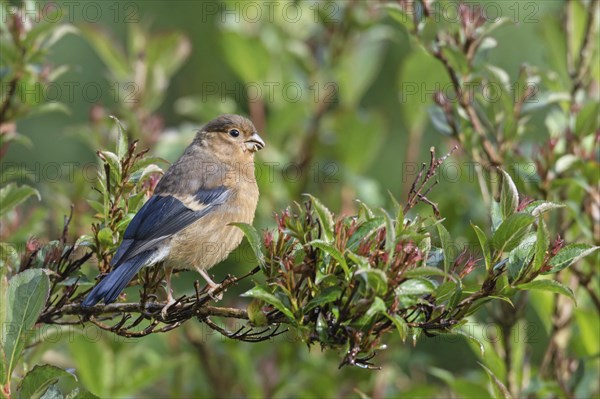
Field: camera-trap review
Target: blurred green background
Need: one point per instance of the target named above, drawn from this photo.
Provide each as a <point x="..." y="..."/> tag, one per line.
<point x="371" y="140"/>
<point x="343" y="106"/>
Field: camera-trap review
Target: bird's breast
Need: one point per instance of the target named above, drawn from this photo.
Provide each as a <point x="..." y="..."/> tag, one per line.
<point x="210" y="239"/>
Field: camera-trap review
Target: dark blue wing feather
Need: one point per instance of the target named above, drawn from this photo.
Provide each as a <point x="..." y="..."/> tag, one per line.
<point x="161" y="217"/>
<point x="155" y="223"/>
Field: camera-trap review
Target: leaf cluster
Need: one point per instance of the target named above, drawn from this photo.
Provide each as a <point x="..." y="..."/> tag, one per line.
<point x="345" y="284"/>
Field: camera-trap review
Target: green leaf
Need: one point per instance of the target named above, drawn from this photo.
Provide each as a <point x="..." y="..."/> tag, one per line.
<point x="12" y="195"/>
<point x="509" y="196"/>
<point x="390" y="235"/>
<point x="377" y="307"/>
<point x="445" y="291"/>
<point x="456" y="58"/>
<point x="328" y="295"/>
<point x="325" y="218"/>
<point x="97" y="206"/>
<point x="122" y="145"/>
<point x="123" y="223"/>
<point x="496" y="216"/>
<point x="439" y="120"/>
<point x="333" y="252"/>
<point x="39" y="379"/>
<point x="424" y="271"/>
<point x="396" y="12"/>
<point x="253" y="239"/>
<point x="541" y="245"/>
<point x="167" y="51"/>
<point x="135" y="202"/>
<point x="363" y="231"/>
<point x="360" y="62"/>
<point x="115" y="164"/>
<point x="48" y="108"/>
<point x="400" y="324"/>
<point x="425" y="248"/>
<point x="502" y="298"/>
<point x="417" y="286"/>
<point x="471" y="337"/>
<point x="56" y="33"/>
<point x="105" y="237"/>
<point x="84" y="241"/>
<point x="485" y="246"/>
<point x="255" y="314"/>
<point x="238" y="47"/>
<point x="142" y="174"/>
<point x="14" y="137"/>
<point x="567" y="162"/>
<point x="457" y="295"/>
<point x="512" y="231"/>
<point x="112" y="55"/>
<point x="399" y="215"/>
<point x="445" y="240"/>
<point x="364" y="211"/>
<point x="8" y="255"/>
<point x="374" y="279"/>
<point x="568" y="255"/>
<point x="500" y="391"/>
<point x="141" y="164"/>
<point x="548" y="285"/>
<point x="361" y="261"/>
<point x="587" y="119"/>
<point x="520" y="257"/>
<point x="262" y="294"/>
<point x="26" y="297"/>
<point x="537" y="208"/>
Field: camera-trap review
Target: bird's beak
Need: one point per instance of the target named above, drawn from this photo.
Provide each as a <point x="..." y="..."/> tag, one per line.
<point x="254" y="143"/>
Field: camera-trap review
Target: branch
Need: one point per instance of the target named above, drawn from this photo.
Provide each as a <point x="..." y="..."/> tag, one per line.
<point x="150" y="309"/>
<point x="467" y="106"/>
<point x="418" y="192"/>
<point x="586" y="49"/>
<point x="185" y="308"/>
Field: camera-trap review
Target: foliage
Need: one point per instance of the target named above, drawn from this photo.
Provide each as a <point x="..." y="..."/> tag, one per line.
<point x="442" y="264"/>
<point x="345" y="284"/>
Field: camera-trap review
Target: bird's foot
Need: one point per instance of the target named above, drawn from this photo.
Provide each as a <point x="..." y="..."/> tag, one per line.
<point x="165" y="309"/>
<point x="211" y="292"/>
<point x="212" y="286"/>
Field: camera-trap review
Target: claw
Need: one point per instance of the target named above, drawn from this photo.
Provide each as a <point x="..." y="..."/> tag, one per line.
<point x="212" y="289"/>
<point x="212" y="286"/>
<point x="165" y="309"/>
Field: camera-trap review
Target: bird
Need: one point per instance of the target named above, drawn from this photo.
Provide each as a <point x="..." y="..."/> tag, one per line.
<point x="187" y="222"/>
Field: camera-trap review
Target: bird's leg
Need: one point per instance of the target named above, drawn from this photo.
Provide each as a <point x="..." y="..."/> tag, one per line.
<point x="170" y="300"/>
<point x="212" y="286"/>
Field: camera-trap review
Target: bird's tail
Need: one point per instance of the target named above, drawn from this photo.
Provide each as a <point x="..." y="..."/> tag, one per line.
<point x="111" y="286"/>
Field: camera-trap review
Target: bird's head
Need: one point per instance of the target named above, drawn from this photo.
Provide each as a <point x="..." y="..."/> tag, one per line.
<point x="232" y="136"/>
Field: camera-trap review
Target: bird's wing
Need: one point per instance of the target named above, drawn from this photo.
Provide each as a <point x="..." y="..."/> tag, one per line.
<point x="164" y="215"/>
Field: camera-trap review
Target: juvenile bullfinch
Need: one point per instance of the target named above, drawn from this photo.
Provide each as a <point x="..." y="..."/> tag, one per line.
<point x="186" y="223"/>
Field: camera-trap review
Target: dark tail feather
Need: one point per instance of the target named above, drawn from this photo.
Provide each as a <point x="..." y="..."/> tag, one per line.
<point x="111" y="286"/>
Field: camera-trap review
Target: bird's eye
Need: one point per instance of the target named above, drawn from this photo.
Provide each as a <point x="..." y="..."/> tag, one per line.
<point x="234" y="132"/>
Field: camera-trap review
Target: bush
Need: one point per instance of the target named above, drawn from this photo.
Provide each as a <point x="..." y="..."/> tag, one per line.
<point x="341" y="280"/>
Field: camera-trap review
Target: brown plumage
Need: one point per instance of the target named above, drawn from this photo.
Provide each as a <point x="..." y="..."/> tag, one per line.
<point x="186" y="223"/>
